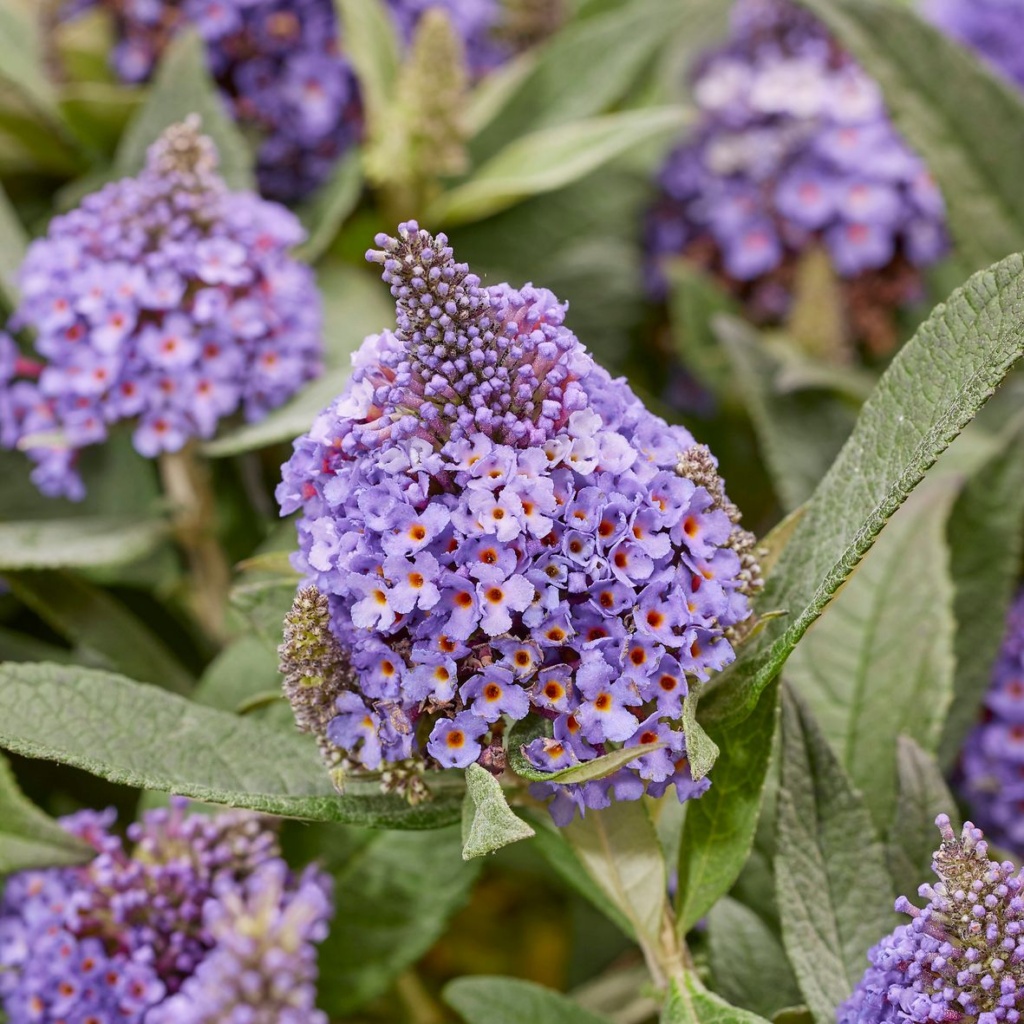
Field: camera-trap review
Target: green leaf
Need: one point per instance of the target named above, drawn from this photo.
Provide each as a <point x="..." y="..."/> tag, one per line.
<point x="923" y="795"/>
<point x="94" y="621"/>
<point x="879" y="662"/>
<point x="355" y="304"/>
<point x="550" y="159"/>
<point x="29" y="838"/>
<point x="932" y="389"/>
<point x="591" y="64"/>
<point x="372" y="47"/>
<point x="183" y="86"/>
<point x="694" y="302"/>
<point x="488" y="823"/>
<point x="955" y="112"/>
<point x="13" y="243"/>
<point x="718" y="831"/>
<point x="834" y="890"/>
<point x="748" y="964"/>
<point x="142" y="736"/>
<point x="799" y="432"/>
<point x="77" y="543"/>
<point x="246" y="671"/>
<point x="690" y="1003"/>
<point x="619" y="850"/>
<point x="986" y="544"/>
<point x="22" y="64"/>
<point x="323" y="214"/>
<point x="529" y="729"/>
<point x="560" y="855"/>
<point x="701" y="750"/>
<point x="486" y="1000"/>
<point x="394" y="893"/>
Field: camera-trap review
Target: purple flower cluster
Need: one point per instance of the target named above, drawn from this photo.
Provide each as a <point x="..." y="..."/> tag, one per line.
<point x="991" y="774"/>
<point x="993" y="28"/>
<point x="793" y="150"/>
<point x="503" y="530"/>
<point x="201" y="921"/>
<point x="281" y="67"/>
<point x="961" y="957"/>
<point x="163" y="299"/>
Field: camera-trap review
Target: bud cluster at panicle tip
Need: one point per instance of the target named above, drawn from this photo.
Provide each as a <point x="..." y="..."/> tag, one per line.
<point x="961" y="956"/>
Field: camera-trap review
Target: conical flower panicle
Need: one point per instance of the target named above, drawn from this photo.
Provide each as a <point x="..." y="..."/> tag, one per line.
<point x="794" y="156"/>
<point x="961" y="957"/>
<point x="199" y="920"/>
<point x="165" y="300"/>
<point x="501" y="531"/>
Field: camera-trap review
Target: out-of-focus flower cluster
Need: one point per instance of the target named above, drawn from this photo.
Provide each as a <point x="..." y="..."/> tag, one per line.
<point x="201" y="921"/>
<point x="163" y="299"/>
<point x="991" y="770"/>
<point x="794" y="151"/>
<point x="282" y="68"/>
<point x="961" y="957"/>
<point x="502" y="530"/>
<point x="993" y="28"/>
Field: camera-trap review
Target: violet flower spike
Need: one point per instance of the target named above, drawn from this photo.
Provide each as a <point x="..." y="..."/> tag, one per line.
<point x="488" y="515"/>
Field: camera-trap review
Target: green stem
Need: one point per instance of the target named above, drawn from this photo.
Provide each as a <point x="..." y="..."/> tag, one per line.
<point x="186" y="483"/>
<point x="420" y="1006"/>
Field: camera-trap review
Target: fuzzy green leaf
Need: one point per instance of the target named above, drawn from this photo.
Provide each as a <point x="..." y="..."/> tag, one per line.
<point x="138" y="735"/>
<point x="13" y="243"/>
<point x="985" y="544"/>
<point x="879" y="662"/>
<point x="619" y="849"/>
<point x="394" y="893"/>
<point x="510" y="1001"/>
<point x="799" y="432"/>
<point x="488" y="823"/>
<point x="550" y="159"/>
<point x="372" y="46"/>
<point x="932" y="389"/>
<point x="835" y="893"/>
<point x="922" y="796"/>
<point x="590" y="65"/>
<point x="718" y="830"/>
<point x="690" y="1003"/>
<point x="29" y="838"/>
<point x="953" y="110"/>
<point x="22" y="64"/>
<point x="528" y="729"/>
<point x="325" y="212"/>
<point x="748" y="964"/>
<point x="77" y="543"/>
<point x="183" y="86"/>
<point x="94" y="621"/>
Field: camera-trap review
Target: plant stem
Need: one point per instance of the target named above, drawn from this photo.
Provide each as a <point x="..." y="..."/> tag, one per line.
<point x="419" y="1004"/>
<point x="186" y="483"/>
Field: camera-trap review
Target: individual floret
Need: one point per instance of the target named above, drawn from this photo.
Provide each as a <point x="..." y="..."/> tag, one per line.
<point x="961" y="957"/>
<point x="200" y="920"/>
<point x="165" y="300"/>
<point x="502" y="531"/>
<point x="794" y="153"/>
